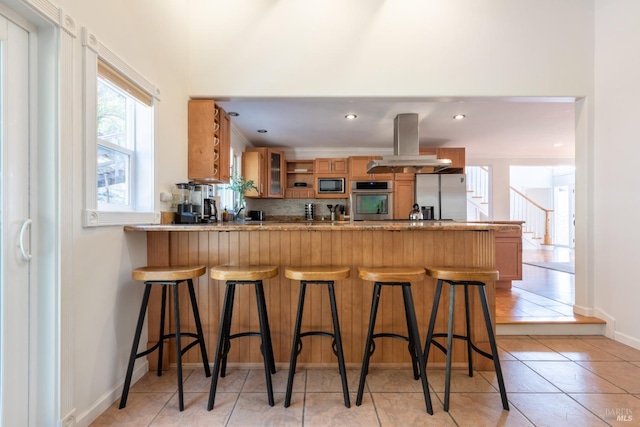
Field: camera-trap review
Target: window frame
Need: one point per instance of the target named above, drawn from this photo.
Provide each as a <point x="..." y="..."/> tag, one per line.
<point x="141" y="198"/>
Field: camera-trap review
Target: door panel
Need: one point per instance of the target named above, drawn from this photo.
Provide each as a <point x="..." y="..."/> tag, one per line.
<point x="14" y="226"/>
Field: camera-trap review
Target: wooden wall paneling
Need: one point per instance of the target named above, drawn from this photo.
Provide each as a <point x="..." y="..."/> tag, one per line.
<point x="329" y="245"/>
<point x="288" y="298"/>
<point x="355" y="248"/>
<point x="252" y="345"/>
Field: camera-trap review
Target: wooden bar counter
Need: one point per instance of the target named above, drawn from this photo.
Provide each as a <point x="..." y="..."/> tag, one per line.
<point x="359" y="243"/>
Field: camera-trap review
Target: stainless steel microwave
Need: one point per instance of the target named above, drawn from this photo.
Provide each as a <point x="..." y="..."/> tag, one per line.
<point x="331" y="185"/>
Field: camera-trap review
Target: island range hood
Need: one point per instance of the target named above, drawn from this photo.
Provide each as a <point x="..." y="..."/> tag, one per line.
<point x="406" y="151"/>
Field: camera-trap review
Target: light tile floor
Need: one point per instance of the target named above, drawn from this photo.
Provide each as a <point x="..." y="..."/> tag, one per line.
<point x="550" y="381"/>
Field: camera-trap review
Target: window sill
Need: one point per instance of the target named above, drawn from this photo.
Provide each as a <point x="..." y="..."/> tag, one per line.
<point x="96" y="218"/>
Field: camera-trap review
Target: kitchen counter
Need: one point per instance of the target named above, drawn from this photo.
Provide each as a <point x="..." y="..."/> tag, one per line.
<point x="331" y="225"/>
<point x="358" y="243"/>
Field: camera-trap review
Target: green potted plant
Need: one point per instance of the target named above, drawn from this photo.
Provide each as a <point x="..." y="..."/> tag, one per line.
<point x="240" y="185"/>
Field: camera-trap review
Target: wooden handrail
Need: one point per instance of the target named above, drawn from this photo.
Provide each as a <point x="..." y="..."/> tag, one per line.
<point x="547" y="216"/>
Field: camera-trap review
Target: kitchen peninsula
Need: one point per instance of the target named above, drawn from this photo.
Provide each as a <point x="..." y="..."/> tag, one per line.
<point x="361" y="243"/>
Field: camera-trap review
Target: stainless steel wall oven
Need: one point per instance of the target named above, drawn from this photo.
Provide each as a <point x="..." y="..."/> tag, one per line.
<point x="372" y="200"/>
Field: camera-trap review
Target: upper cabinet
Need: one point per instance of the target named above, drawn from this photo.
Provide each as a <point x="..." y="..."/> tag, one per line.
<point x="456" y="155"/>
<point x="331" y="166"/>
<point x="358" y="169"/>
<point x="209" y="142"/>
<point x="299" y="179"/>
<point x="265" y="166"/>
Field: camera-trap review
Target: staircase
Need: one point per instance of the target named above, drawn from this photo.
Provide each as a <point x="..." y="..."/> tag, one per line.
<point x="536" y="229"/>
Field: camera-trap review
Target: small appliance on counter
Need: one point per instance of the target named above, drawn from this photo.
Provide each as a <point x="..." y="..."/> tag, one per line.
<point x="256" y="215"/>
<point x="205" y="204"/>
<point x="195" y="203"/>
<point x="182" y="196"/>
<point x="309" y="211"/>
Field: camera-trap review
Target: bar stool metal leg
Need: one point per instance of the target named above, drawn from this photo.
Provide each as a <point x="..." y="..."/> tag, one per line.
<point x="368" y="351"/>
<point x="162" y="334"/>
<point x="468" y="328"/>
<point x="414" y="337"/>
<point x="176" y="313"/>
<point x="494" y="347"/>
<point x="296" y="346"/>
<point x="228" y="314"/>
<point x="134" y="346"/>
<point x="447" y="375"/>
<point x="200" y="333"/>
<point x="267" y="336"/>
<point x="338" y="343"/>
<point x="223" y="338"/>
<point x="269" y="365"/>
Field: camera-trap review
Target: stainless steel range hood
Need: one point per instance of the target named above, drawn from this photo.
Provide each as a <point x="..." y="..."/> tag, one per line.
<point x="406" y="151"/>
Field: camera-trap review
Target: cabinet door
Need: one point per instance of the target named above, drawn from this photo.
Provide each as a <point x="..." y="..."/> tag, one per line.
<point x="456" y="155"/>
<point x="331" y="166"/>
<point x="252" y="162"/>
<point x="509" y="257"/>
<point x="358" y="169"/>
<point x="202" y="140"/>
<point x="339" y="166"/>
<point x="275" y="170"/>
<point x="225" y="146"/>
<point x="403" y="198"/>
<point x="322" y="166"/>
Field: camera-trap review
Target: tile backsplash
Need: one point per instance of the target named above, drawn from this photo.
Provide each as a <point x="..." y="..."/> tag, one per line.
<point x="293" y="207"/>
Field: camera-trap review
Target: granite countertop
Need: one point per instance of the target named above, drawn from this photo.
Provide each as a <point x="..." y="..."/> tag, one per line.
<point x="332" y="226"/>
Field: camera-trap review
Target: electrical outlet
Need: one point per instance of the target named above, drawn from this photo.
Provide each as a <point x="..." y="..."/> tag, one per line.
<point x="166" y="197"/>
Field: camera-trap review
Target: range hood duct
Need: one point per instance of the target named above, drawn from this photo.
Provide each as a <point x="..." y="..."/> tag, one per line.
<point x="406" y="151"/>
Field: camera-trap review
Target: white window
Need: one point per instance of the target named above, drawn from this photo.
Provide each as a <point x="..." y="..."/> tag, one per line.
<point x="120" y="106"/>
<point x="228" y="198"/>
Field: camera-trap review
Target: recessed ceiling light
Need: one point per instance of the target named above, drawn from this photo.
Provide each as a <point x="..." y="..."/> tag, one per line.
<point x="350" y="116"/>
<point x="559" y="144"/>
<point x="262" y="131"/>
<point x="233" y="114"/>
<point x="459" y="116"/>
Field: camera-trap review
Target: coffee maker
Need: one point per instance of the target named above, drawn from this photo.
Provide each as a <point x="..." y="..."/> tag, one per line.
<point x="182" y="197"/>
<point x="205" y="204"/>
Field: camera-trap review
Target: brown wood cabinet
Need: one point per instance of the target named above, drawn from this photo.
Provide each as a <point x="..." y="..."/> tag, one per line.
<point x="299" y="171"/>
<point x="209" y="142"/>
<point x="403" y="198"/>
<point x="328" y="166"/>
<point x="508" y="257"/>
<point x="265" y="166"/>
<point x="358" y="169"/>
<point x="456" y="155"/>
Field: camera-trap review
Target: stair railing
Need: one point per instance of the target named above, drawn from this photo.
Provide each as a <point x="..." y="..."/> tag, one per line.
<point x="536" y="217"/>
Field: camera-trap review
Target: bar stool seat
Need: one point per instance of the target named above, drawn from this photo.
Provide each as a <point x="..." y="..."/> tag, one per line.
<point x="465" y="277"/>
<point x="242" y="275"/>
<point x="395" y="276"/>
<point x="167" y="276"/>
<point x="319" y="275"/>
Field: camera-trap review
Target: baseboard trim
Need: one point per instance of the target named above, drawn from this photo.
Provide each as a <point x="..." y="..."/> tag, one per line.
<point x="107" y="399"/>
<point x="550" y="329"/>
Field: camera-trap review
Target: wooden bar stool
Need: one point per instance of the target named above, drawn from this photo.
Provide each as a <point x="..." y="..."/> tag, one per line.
<point x="465" y="277"/>
<point x="395" y="276"/>
<point x="317" y="275"/>
<point x="167" y="276"/>
<point x="242" y="275"/>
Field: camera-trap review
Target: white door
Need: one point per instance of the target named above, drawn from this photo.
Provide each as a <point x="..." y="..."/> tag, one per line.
<point x="14" y="224"/>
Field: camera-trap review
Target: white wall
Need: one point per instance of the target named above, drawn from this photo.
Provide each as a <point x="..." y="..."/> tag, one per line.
<point x="151" y="36"/>
<point x="615" y="183"/>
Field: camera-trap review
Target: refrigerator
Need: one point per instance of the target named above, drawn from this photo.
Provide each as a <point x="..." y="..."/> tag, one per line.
<point x="447" y="193"/>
